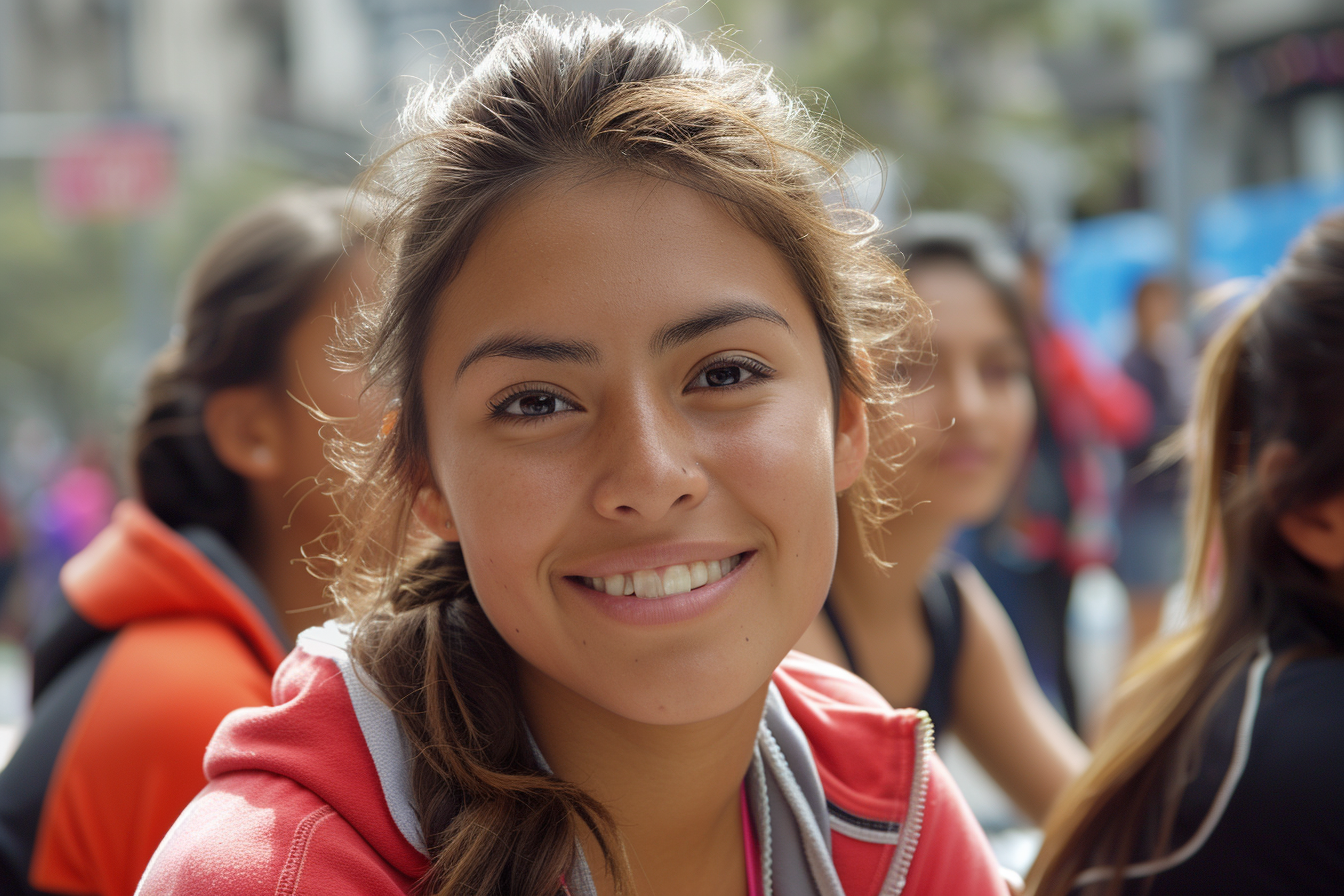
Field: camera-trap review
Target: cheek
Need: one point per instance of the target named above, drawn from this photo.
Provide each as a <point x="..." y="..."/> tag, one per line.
<point x="783" y="473"/>
<point x="505" y="509"/>
<point x="1016" y="419"/>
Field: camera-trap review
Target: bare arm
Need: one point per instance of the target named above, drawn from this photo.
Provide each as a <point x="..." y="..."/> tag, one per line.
<point x="1002" y="716"/>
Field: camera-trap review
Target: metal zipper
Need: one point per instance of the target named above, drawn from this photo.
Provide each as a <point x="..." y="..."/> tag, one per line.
<point x="914" y="815"/>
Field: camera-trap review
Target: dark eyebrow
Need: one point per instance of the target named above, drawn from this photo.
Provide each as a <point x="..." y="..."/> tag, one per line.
<point x="527" y="348"/>
<point x="713" y="318"/>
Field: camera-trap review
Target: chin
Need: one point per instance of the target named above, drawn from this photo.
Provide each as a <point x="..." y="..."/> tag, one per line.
<point x="681" y="691"/>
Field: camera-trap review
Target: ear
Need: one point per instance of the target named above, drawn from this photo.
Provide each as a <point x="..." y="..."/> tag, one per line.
<point x="245" y="430"/>
<point x="1316" y="532"/>
<point x="851" y="439"/>
<point x="431" y="509"/>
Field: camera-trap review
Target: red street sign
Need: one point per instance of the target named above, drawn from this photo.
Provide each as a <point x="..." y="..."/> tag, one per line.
<point x="118" y="171"/>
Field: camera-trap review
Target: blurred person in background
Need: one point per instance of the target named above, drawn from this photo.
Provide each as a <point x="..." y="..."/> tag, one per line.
<point x="1060" y="515"/>
<point x="1149" y="561"/>
<point x="181" y="609"/>
<point x="925" y="630"/>
<point x="64" y="515"/>
<point x="1220" y="770"/>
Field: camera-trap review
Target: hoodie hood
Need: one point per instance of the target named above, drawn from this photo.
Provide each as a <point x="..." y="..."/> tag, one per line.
<point x="137" y="568"/>
<point x="331" y="733"/>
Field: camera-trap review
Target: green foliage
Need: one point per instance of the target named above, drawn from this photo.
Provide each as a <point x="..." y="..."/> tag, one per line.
<point x="63" y="286"/>
<point x="935" y="82"/>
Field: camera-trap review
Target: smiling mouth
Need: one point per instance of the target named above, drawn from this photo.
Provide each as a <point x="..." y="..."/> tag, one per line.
<point x="651" y="584"/>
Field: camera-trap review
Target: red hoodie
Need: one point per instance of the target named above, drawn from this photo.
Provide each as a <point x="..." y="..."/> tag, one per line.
<point x="312" y="795"/>
<point x="158" y="636"/>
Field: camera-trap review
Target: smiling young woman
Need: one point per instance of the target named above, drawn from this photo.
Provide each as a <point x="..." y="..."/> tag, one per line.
<point x="624" y="341"/>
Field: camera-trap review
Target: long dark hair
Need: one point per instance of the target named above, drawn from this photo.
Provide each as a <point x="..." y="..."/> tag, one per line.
<point x="551" y="96"/>
<point x="1272" y="373"/>
<point x="245" y="293"/>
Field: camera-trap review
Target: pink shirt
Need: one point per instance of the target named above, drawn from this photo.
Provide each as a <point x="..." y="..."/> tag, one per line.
<point x="753" y="850"/>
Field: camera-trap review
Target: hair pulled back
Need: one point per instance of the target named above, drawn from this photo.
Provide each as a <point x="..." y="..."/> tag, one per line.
<point x="1271" y="374"/>
<point x="555" y="97"/>
<point x="241" y="299"/>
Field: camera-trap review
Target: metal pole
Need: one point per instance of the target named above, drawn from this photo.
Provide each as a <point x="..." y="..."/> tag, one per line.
<point x="145" y="322"/>
<point x="1172" y="62"/>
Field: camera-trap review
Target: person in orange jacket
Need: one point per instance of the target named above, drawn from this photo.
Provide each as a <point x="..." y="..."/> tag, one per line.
<point x="182" y="608"/>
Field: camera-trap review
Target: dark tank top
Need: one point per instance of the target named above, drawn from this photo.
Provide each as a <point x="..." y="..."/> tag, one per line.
<point x="940" y="599"/>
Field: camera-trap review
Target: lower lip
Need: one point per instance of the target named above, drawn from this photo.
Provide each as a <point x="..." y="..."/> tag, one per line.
<point x="663" y="610"/>
<point x="963" y="459"/>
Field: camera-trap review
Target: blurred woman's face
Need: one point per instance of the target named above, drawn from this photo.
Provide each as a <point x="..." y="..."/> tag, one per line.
<point x="972" y="421"/>
<point x="310" y="379"/>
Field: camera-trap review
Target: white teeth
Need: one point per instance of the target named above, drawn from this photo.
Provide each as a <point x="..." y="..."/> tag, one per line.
<point x="648" y="584"/>
<point x="712" y="571"/>
<point x="676" y="580"/>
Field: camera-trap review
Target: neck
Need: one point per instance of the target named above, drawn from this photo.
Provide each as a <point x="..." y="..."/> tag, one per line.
<point x="673" y="790"/>
<point x="274" y="552"/>
<point x="910" y="542"/>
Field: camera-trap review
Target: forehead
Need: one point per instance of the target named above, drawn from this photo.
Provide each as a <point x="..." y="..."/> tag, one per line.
<point x="966" y="309"/>
<point x="609" y="255"/>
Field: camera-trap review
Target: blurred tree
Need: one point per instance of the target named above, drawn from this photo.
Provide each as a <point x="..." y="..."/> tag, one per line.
<point x="62" y="286"/>
<point x="951" y="89"/>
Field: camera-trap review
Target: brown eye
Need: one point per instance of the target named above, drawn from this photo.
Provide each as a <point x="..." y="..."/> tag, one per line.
<point x="727" y="372"/>
<point x="531" y="403"/>
<point x="536" y="405"/>
<point x="723" y="376"/>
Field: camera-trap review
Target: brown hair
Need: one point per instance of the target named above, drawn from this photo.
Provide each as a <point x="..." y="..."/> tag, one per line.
<point x="250" y="286"/>
<point x="552" y="96"/>
<point x="1272" y="373"/>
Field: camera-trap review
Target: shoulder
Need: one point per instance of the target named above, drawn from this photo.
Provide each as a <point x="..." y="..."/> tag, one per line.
<point x="258" y="833"/>
<point x="835" y="710"/>
<point x="169" y="682"/>
<point x="1298" y="737"/>
<point x="896" y="816"/>
<point x="159" y="693"/>
<point x="134" y="754"/>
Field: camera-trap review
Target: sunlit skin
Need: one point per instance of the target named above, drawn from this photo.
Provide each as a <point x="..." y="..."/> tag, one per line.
<point x="960" y="440"/>
<point x="619" y="378"/>
<point x="269" y="435"/>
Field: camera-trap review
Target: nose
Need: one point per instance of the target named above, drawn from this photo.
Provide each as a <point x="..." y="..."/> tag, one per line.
<point x="964" y="398"/>
<point x="647" y="465"/>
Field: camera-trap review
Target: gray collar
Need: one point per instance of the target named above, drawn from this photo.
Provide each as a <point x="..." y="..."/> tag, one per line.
<point x="787" y="805"/>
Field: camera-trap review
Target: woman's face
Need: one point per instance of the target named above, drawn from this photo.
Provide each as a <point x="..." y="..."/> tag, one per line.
<point x="972" y="422"/>
<point x="309" y="379"/>
<point x="625" y="390"/>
